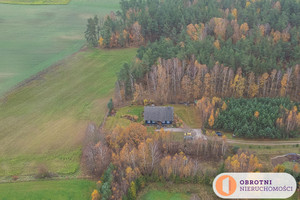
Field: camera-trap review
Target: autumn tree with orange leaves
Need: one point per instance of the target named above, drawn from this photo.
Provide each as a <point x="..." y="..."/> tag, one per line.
<point x="96" y="195"/>
<point x="156" y="155"/>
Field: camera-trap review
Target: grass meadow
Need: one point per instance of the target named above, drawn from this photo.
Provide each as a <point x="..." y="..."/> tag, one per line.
<point x="42" y="190"/>
<point x="165" y="195"/>
<point x="33" y="37"/>
<point x="44" y="121"/>
<point x="35" y="2"/>
<point x="118" y="118"/>
<point x="170" y="191"/>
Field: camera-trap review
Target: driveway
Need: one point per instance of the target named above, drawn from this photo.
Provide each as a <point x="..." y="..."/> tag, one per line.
<point x="265" y="143"/>
<point x="198" y="134"/>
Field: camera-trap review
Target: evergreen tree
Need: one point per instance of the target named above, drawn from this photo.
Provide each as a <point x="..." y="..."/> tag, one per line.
<point x="92" y="31"/>
<point x="110" y="106"/>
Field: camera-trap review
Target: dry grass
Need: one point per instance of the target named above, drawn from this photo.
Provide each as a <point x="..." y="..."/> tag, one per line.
<point x="189" y="115"/>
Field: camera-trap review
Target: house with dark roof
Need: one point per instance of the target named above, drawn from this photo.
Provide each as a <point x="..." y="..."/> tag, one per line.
<point x="158" y="114"/>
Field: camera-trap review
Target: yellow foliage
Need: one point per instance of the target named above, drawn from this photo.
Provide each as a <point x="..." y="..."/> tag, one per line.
<point x="263" y="79"/>
<point x="217" y="44"/>
<point x="243" y="163"/>
<point x="295" y="109"/>
<point x="191" y="31"/>
<point x="238" y="85"/>
<point x="256" y="114"/>
<point x="215" y="100"/>
<point x="224" y="106"/>
<point x="244" y="28"/>
<point x="248" y="3"/>
<point x="224" y="137"/>
<point x="253" y="90"/>
<point x="101" y="41"/>
<point x="279" y="168"/>
<point x="145" y="102"/>
<point x="148" y="102"/>
<point x="125" y="33"/>
<point x="283" y="85"/>
<point x="234" y="12"/>
<point x="128" y="171"/>
<point x="195" y="31"/>
<point x="276" y="36"/>
<point x="95" y="195"/>
<point x="279" y="122"/>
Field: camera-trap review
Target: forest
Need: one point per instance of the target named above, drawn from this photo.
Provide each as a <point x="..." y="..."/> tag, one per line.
<point x="130" y="157"/>
<point x="251" y="118"/>
<point x="126" y="159"/>
<point x="195" y="49"/>
<point x="257" y="36"/>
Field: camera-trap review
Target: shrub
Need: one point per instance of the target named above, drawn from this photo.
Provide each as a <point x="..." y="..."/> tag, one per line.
<point x="43" y="172"/>
<point x="235" y="149"/>
<point x="14" y="178"/>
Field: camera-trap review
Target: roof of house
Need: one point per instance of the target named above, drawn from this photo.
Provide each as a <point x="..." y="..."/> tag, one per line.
<point x="158" y="113"/>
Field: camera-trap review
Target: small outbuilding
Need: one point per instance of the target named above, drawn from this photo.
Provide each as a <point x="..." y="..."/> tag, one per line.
<point x="158" y="114"/>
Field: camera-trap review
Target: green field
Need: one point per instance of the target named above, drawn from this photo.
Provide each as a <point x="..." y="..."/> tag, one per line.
<point x="44" y="122"/>
<point x="165" y="195"/>
<point x="171" y="191"/>
<point x="118" y="118"/>
<point x="33" y="37"/>
<point x="40" y="190"/>
<point x="35" y="2"/>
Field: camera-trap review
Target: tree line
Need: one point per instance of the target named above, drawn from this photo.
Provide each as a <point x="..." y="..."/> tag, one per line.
<point x="175" y="81"/>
